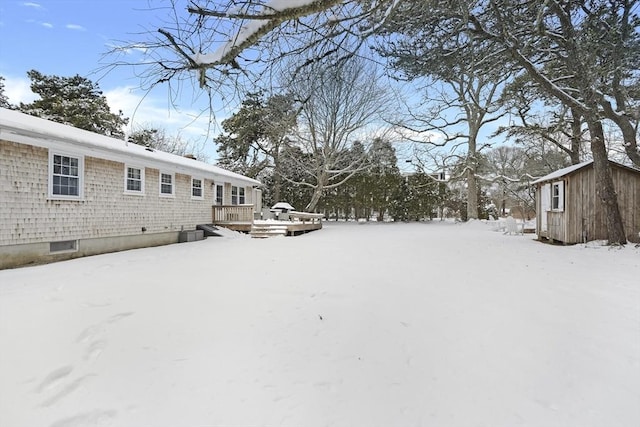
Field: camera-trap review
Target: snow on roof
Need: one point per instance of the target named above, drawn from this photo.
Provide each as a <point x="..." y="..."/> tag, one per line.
<point x="19" y="127"/>
<point x="563" y="172"/>
<point x="283" y="205"/>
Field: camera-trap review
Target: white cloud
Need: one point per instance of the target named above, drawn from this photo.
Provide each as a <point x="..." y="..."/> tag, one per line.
<point x="18" y="90"/>
<point x="47" y="25"/>
<point x="75" y="27"/>
<point x="152" y="111"/>
<point x="33" y="5"/>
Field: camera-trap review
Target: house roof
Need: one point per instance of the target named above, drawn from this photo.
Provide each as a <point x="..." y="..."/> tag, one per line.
<point x="23" y="128"/>
<point x="570" y="169"/>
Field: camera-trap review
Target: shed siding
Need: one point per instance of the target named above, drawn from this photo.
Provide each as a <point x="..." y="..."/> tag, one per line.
<point x="556" y="225"/>
<point x="583" y="217"/>
<point x="29" y="217"/>
<point x="628" y="188"/>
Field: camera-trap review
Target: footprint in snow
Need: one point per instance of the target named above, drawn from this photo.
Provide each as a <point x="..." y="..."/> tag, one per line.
<point x="54" y="378"/>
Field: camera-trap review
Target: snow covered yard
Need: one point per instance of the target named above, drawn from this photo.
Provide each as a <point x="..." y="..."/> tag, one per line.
<point x="434" y="324"/>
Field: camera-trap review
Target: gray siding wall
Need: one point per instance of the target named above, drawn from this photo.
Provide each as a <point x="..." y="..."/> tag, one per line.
<point x="28" y="216"/>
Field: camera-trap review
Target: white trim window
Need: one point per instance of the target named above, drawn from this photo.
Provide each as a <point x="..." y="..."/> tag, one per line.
<point x="197" y="189"/>
<point x="133" y="180"/>
<point x="557" y="196"/>
<point x="219" y="200"/>
<point x="66" y="176"/>
<point x="234" y="195"/>
<point x="237" y="195"/>
<point x="167" y="184"/>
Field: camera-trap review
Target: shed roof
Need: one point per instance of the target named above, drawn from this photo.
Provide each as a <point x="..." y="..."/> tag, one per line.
<point x="23" y="128"/>
<point x="570" y="169"/>
<point x="563" y="172"/>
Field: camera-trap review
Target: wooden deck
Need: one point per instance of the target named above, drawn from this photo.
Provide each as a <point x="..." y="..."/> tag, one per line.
<point x="241" y="218"/>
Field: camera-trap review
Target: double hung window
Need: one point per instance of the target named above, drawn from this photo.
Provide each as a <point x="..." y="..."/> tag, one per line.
<point x="234" y="195"/>
<point x="167" y="184"/>
<point x="196" y="188"/>
<point x="134" y="180"/>
<point x="65" y="176"/>
<point x="237" y="196"/>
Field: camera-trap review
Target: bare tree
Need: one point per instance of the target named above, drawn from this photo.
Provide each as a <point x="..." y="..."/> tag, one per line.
<point x="469" y="84"/>
<point x="509" y="170"/>
<point x="558" y="45"/>
<point x="458" y="106"/>
<point x="585" y="54"/>
<point x="158" y="139"/>
<point x="538" y="119"/>
<point x="226" y="46"/>
<point x="337" y="105"/>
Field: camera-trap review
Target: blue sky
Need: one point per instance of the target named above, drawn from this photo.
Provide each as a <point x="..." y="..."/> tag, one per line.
<point x="69" y="37"/>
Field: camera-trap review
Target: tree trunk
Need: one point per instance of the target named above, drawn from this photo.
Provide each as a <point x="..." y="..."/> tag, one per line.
<point x="311" y="206"/>
<point x="576" y="136"/>
<point x="472" y="188"/>
<point x="317" y="192"/>
<point x="277" y="179"/>
<point x="472" y="164"/>
<point x="604" y="184"/>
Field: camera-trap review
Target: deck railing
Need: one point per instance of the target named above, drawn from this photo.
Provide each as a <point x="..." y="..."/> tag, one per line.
<point x="232" y="213"/>
<point x="306" y="216"/>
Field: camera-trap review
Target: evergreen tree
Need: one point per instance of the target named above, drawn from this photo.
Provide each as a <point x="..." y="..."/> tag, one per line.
<point x="255" y="136"/>
<point x="75" y="101"/>
<point x="4" y="101"/>
<point x="384" y="176"/>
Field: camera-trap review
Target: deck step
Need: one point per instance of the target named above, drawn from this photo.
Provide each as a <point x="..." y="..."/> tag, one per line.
<point x="268" y="230"/>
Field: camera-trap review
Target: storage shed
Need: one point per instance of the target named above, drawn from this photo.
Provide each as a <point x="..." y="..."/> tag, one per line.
<point x="569" y="210"/>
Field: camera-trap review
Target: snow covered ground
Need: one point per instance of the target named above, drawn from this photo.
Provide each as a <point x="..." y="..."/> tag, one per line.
<point x="435" y="324"/>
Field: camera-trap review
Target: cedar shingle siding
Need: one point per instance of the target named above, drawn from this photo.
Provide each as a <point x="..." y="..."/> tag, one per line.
<point x="38" y="227"/>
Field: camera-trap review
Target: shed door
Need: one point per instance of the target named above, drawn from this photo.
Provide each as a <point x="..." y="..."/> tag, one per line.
<point x="545" y="205"/>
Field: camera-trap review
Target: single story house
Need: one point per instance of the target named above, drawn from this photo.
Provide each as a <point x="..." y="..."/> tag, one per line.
<point x="67" y="192"/>
<point x="569" y="210"/>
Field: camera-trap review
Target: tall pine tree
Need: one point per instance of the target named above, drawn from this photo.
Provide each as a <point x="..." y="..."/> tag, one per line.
<point x="4" y="101"/>
<point x="75" y="101"/>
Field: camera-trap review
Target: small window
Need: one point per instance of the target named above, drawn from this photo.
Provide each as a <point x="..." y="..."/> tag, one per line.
<point x="64" y="246"/>
<point x="196" y="188"/>
<point x="219" y="194"/>
<point x="557" y="196"/>
<point x="241" y="198"/>
<point x="134" y="180"/>
<point x="166" y="184"/>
